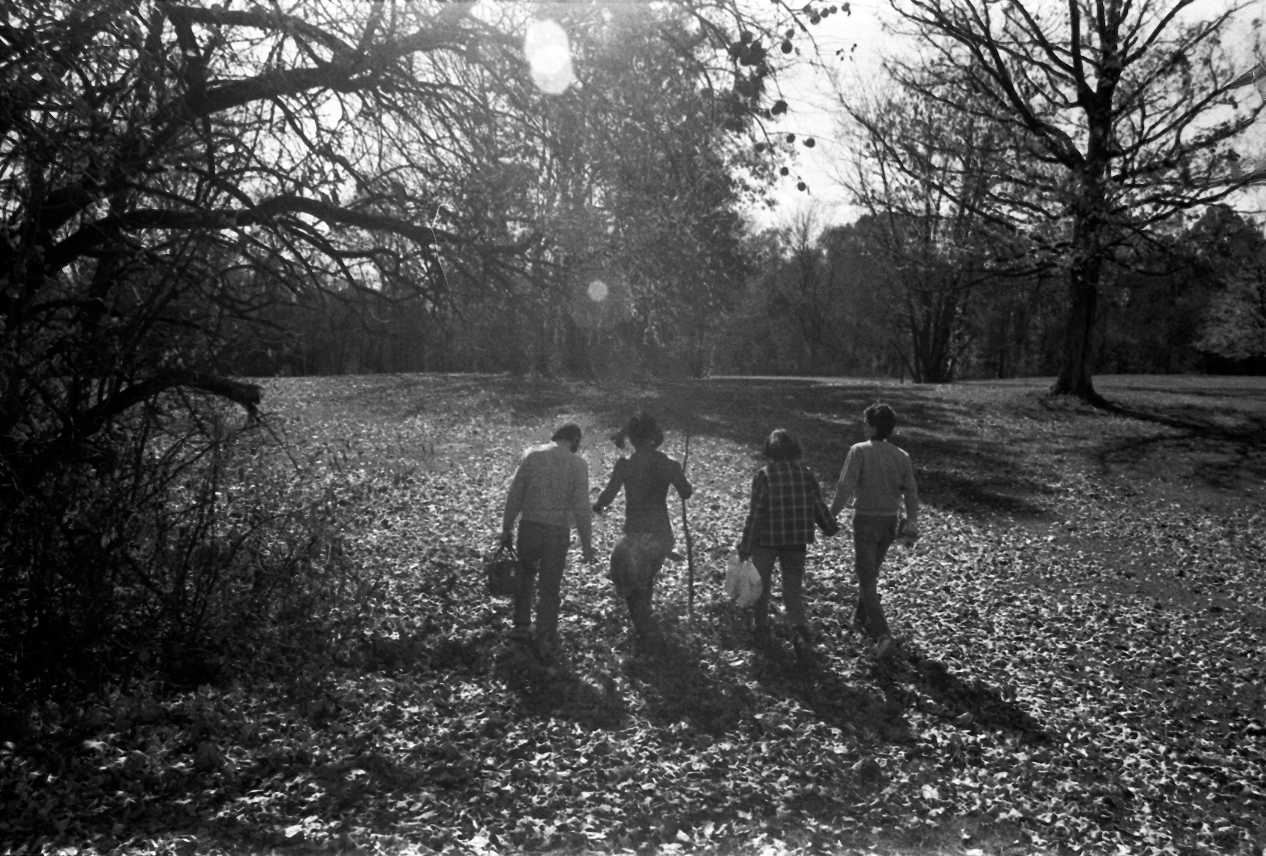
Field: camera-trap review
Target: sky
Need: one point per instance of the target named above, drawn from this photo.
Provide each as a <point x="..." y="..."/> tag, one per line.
<point x="812" y="100"/>
<point x="812" y="107"/>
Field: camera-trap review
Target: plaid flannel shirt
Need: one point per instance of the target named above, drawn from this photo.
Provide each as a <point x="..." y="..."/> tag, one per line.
<point x="786" y="505"/>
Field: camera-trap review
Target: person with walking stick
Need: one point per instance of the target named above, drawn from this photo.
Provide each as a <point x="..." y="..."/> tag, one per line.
<point x="638" y="555"/>
<point x="548" y="496"/>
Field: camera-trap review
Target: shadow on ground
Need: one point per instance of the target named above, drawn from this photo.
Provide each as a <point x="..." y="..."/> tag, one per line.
<point x="1224" y="446"/>
<point x="984" y="450"/>
<point x="973" y="473"/>
<point x="674" y="686"/>
<point x="973" y="702"/>
<point x="981" y="449"/>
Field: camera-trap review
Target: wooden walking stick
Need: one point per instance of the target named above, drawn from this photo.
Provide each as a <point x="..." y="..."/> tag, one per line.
<point x="690" y="550"/>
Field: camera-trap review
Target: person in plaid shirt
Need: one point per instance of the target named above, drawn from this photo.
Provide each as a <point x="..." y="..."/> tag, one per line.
<point x="785" y="508"/>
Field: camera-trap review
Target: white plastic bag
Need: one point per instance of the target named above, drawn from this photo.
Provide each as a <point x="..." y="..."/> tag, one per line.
<point x="742" y="582"/>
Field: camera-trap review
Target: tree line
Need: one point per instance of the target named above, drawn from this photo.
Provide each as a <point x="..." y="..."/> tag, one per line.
<point x="1028" y="209"/>
<point x="874" y="298"/>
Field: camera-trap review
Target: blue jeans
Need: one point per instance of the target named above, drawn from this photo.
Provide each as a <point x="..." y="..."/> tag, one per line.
<point x="872" y="536"/>
<point x="543" y="550"/>
<point x="791" y="561"/>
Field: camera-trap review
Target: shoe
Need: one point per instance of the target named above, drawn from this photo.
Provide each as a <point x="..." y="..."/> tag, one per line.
<point x="645" y="645"/>
<point x="546" y="646"/>
<point x="885" y="647"/>
<point x="803" y="644"/>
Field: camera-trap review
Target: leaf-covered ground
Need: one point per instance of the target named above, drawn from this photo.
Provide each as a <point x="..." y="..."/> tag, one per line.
<point x="1083" y="621"/>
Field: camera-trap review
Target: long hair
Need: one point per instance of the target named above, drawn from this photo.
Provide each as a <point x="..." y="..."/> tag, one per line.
<point x="643" y="429"/>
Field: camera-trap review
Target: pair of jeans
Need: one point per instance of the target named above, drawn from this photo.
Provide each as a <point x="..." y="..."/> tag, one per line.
<point x="791" y="561"/>
<point x="872" y="536"/>
<point x="543" y="551"/>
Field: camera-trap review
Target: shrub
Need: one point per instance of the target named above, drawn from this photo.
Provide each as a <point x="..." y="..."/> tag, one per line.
<point x="190" y="545"/>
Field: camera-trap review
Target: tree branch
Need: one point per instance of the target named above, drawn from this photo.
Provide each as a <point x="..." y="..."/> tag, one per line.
<point x="269" y="210"/>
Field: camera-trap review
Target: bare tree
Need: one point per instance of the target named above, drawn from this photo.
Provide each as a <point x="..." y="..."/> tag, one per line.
<point x="1121" y="115"/>
<point x="804" y="292"/>
<point x="922" y="171"/>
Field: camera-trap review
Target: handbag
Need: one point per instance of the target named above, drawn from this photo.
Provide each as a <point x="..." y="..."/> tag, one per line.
<point x="505" y="573"/>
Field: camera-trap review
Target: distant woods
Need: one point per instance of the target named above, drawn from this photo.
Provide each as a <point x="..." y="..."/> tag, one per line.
<point x="875" y="298"/>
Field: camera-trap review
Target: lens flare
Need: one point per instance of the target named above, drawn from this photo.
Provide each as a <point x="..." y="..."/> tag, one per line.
<point x="549" y="56"/>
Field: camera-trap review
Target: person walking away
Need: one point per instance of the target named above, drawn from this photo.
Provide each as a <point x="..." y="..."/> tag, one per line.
<point x="877" y="477"/>
<point x="786" y="505"/>
<point x="639" y="554"/>
<point x="548" y="495"/>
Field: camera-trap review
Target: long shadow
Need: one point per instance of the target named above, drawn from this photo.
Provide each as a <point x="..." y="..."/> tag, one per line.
<point x="986" y="706"/>
<point x="1242" y="389"/>
<point x="1228" y="455"/>
<point x="1199" y="421"/>
<point x="877" y="705"/>
<point x="676" y="689"/>
<point x="974" y="474"/>
<point x="554" y="689"/>
<point x="874" y="708"/>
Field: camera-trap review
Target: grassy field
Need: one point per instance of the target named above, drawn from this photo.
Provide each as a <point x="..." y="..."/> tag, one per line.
<point x="1084" y="620"/>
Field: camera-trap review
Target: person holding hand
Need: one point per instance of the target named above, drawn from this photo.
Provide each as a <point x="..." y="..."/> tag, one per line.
<point x="876" y="480"/>
<point x="548" y="495"/>
<point x="786" y="507"/>
<point x="645" y="476"/>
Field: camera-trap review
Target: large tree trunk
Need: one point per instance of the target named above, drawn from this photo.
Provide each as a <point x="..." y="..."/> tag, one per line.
<point x="1075" y="376"/>
<point x="1089" y="228"/>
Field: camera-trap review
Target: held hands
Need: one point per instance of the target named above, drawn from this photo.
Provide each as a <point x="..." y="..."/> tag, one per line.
<point x="588" y="556"/>
<point x="507" y="540"/>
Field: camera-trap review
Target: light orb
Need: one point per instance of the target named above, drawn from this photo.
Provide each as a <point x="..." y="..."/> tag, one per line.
<point x="597" y="291"/>
<point x="549" y="56"/>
